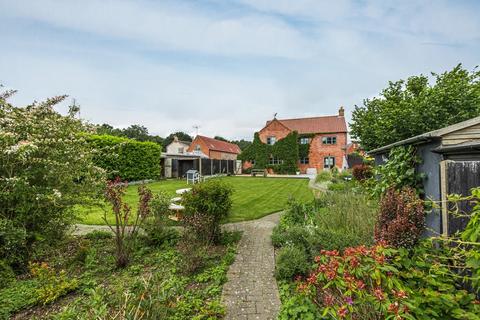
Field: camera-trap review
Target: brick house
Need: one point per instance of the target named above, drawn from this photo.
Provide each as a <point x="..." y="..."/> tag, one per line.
<point x="326" y="135"/>
<point x="214" y="149"/>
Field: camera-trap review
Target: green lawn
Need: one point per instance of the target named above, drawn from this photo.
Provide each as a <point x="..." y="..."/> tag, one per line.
<point x="253" y="198"/>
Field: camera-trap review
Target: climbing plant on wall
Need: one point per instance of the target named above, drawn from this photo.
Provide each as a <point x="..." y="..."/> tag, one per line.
<point x="286" y="149"/>
<point x="304" y="149"/>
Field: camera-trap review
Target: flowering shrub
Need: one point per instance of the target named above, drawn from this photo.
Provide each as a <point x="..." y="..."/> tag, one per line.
<point x="380" y="282"/>
<point x="401" y="218"/>
<point x="362" y="172"/>
<point x="52" y="285"/>
<point x="356" y="285"/>
<point x="45" y="168"/>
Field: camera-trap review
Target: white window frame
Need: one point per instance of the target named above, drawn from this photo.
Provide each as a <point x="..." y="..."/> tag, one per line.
<point x="330" y="140"/>
<point x="271" y="140"/>
<point x="329" y="162"/>
<point x="305" y="160"/>
<point x="304" y="140"/>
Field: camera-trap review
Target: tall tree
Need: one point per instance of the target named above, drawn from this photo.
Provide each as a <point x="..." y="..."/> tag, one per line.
<point x="242" y="144"/>
<point x="182" y="136"/>
<point x="410" y="107"/>
<point x="221" y="138"/>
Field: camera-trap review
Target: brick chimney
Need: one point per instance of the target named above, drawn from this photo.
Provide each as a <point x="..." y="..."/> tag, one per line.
<point x="341" y="112"/>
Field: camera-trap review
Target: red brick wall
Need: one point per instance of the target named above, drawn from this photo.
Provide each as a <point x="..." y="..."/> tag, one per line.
<point x="199" y="142"/>
<point x="275" y="129"/>
<point x="222" y="155"/>
<point x="318" y="151"/>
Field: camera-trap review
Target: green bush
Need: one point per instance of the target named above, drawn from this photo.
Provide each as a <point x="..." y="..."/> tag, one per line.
<point x="291" y="261"/>
<point x="297" y="213"/>
<point x="324" y="175"/>
<point x="206" y="205"/>
<point x="13" y="244"/>
<point x="337" y="186"/>
<point x="296" y="235"/>
<point x="7" y="275"/>
<point x="331" y="240"/>
<point x="47" y="169"/>
<point x="125" y="158"/>
<point x="99" y="235"/>
<point x="52" y="285"/>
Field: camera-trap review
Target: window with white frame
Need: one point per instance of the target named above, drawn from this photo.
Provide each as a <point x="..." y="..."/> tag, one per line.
<point x="181" y="150"/>
<point x="198" y="148"/>
<point x="271" y="140"/>
<point x="329" y="140"/>
<point x="273" y="161"/>
<point x="304" y="140"/>
<point x="329" y="162"/>
<point x="304" y="161"/>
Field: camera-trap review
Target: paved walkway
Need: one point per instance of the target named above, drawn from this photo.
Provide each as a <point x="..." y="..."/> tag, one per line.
<point x="251" y="290"/>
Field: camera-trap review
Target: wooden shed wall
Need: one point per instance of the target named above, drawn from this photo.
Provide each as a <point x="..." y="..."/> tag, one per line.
<point x="462" y="135"/>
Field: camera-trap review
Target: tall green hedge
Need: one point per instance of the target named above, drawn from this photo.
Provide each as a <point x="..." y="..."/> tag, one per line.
<point x="128" y="159"/>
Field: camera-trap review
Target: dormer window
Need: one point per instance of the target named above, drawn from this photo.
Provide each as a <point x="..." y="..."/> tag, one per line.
<point x="271" y="140"/>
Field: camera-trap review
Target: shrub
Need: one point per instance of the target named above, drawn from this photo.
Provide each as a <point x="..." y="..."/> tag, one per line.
<point x="128" y="159"/>
<point x="99" y="235"/>
<point x="326" y="239"/>
<point x="297" y="213"/>
<point x="349" y="213"/>
<point x="205" y="206"/>
<point x="296" y="306"/>
<point x="291" y="261"/>
<point x="52" y="285"/>
<point x="337" y="186"/>
<point x="401" y="218"/>
<point x="13" y="244"/>
<point x="46" y="169"/>
<point x="362" y="172"/>
<point x="385" y="283"/>
<point x="124" y="234"/>
<point x="324" y="175"/>
<point x="7" y="275"/>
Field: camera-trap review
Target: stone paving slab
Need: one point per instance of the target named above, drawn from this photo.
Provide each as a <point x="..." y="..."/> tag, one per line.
<point x="251" y="290"/>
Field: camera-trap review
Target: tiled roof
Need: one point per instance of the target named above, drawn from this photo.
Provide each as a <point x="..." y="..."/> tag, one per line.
<point x="324" y="124"/>
<point x="218" y="145"/>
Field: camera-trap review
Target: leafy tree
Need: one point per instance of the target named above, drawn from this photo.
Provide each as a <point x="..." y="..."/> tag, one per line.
<point x="135" y="131"/>
<point x="410" y="107"/>
<point x="221" y="138"/>
<point x="182" y="136"/>
<point x="242" y="144"/>
<point x="46" y="169"/>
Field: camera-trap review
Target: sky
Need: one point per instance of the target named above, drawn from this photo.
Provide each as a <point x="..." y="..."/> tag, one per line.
<point x="225" y="66"/>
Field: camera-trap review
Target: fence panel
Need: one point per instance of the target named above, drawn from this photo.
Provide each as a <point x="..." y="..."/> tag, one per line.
<point x="461" y="177"/>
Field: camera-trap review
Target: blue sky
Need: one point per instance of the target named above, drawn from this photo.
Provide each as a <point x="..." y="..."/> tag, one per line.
<point x="226" y="66"/>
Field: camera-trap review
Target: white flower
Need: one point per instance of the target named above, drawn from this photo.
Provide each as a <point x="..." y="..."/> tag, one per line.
<point x="57" y="193"/>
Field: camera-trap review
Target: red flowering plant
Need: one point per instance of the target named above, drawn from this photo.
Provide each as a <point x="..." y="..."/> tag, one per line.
<point x="125" y="228"/>
<point x="358" y="284"/>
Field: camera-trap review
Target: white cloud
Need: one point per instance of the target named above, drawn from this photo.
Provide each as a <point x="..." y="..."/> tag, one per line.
<point x="166" y="27"/>
<point x="227" y="68"/>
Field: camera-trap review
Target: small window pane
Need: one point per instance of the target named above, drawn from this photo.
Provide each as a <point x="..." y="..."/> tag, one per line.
<point x="304" y="140"/>
<point x="271" y="140"/>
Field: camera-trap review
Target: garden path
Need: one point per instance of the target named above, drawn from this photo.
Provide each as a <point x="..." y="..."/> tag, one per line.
<point x="251" y="290"/>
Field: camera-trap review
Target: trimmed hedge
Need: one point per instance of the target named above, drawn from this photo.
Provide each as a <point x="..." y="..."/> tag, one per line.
<point x="128" y="159"/>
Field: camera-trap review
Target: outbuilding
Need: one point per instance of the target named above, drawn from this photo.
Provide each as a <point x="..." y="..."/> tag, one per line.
<point x="451" y="165"/>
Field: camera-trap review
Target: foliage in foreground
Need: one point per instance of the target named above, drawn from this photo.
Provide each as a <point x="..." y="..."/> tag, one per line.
<point x="153" y="286"/>
<point x="336" y="220"/>
<point x="205" y="206"/>
<point x="407" y="108"/>
<point x="439" y="278"/>
<point x="401" y="218"/>
<point x="45" y="170"/>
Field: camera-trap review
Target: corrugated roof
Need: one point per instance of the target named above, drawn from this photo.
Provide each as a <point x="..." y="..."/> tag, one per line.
<point x="218" y="145"/>
<point x="325" y="124"/>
